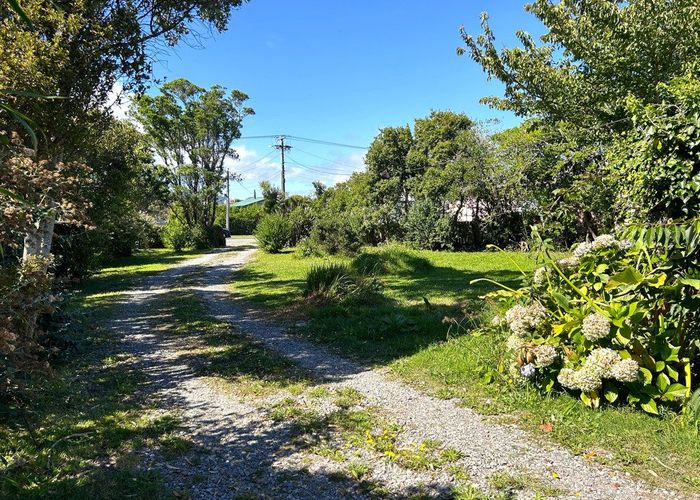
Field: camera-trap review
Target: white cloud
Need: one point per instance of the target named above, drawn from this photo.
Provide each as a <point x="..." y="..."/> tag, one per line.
<point x="301" y="169"/>
<point x="118" y="102"/>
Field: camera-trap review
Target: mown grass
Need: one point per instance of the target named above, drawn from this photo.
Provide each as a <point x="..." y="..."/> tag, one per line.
<point x="407" y="333"/>
<point x="74" y="432"/>
<point x="420" y="289"/>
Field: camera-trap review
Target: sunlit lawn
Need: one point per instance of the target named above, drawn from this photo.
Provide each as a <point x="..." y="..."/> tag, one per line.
<point x="409" y="335"/>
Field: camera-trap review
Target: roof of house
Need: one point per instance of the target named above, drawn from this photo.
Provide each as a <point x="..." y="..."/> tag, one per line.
<point x="248" y="201"/>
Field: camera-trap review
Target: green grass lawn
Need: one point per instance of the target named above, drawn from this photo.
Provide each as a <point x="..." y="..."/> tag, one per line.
<point x="407" y="334"/>
<point x="56" y="437"/>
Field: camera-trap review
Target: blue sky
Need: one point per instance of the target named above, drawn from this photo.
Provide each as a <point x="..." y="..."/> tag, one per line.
<point x="339" y="71"/>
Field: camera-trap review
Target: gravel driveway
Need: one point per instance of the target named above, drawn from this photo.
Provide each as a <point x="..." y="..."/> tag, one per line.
<point x="243" y="452"/>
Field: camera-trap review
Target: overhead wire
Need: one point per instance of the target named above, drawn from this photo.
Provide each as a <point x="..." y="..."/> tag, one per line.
<point x="326" y="159"/>
<point x="314" y="169"/>
<point x="304" y="139"/>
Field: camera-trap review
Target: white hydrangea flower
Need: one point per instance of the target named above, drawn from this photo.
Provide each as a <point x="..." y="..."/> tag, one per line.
<point x="515" y="342"/>
<point x="625" y="370"/>
<point x="545" y="355"/>
<point x="568" y="264"/>
<point x="587" y="379"/>
<point x="595" y="327"/>
<point x="601" y="361"/>
<point x="518" y="379"/>
<point x="540" y="276"/>
<point x="602" y="241"/>
<point x="524" y="319"/>
<point x="567" y="378"/>
<point x="583" y="249"/>
<point x="515" y="316"/>
<point x="605" y="241"/>
<point x="625" y="244"/>
<point x="497" y="321"/>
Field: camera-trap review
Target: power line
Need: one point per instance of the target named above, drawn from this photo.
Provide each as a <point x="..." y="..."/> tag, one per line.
<point x="246" y="168"/>
<point x="313" y="169"/>
<point x="305" y="139"/>
<point x="327" y="143"/>
<point x="327" y="159"/>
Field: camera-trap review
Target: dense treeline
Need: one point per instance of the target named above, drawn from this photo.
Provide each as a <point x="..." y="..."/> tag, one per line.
<point x="77" y="186"/>
<point x="610" y="98"/>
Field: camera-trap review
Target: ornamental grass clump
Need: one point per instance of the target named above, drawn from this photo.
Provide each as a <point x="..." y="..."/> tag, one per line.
<point x="618" y="320"/>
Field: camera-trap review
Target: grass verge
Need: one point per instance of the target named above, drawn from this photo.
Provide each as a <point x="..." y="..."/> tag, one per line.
<point x="76" y="432"/>
<point x="406" y="332"/>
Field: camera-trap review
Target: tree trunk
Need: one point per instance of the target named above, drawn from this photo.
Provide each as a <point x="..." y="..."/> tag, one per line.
<point x="37" y="242"/>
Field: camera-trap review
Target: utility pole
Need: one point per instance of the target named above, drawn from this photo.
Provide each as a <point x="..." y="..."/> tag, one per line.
<point x="228" y="202"/>
<point x="282" y="147"/>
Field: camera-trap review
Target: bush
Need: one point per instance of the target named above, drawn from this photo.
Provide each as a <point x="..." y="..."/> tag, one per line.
<point x="619" y="320"/>
<point x="24" y="297"/>
<point x="273" y="233"/>
<point x="335" y="282"/>
<point x="301" y="221"/>
<point x="337" y="233"/>
<point x="427" y="227"/>
<point x="176" y="235"/>
<point x="308" y="248"/>
<point x="242" y="220"/>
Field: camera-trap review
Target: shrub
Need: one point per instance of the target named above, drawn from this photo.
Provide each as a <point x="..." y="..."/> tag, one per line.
<point x="335" y="282"/>
<point x="176" y="235"/>
<point x="301" y="221"/>
<point x="24" y="297"/>
<point x="273" y="233"/>
<point x="308" y="248"/>
<point x="618" y="320"/>
<point x="337" y="233"/>
<point x="242" y="220"/>
<point x="427" y="227"/>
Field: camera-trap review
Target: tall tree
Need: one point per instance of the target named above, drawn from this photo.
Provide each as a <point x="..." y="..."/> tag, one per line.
<point x="78" y="51"/>
<point x="576" y="84"/>
<point x="192" y="130"/>
<point x="593" y="56"/>
<point x="387" y="166"/>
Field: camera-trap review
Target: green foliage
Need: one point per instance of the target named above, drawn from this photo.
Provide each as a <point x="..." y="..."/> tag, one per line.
<point x="657" y="163"/>
<point x="616" y="321"/>
<point x="242" y="220"/>
<point x="427" y="226"/>
<point x="343" y="221"/>
<point x="24" y="296"/>
<point x="176" y="235"/>
<point x="301" y="220"/>
<point x="207" y="122"/>
<point x="273" y="233"/>
<point x="597" y="88"/>
<point x="337" y="283"/>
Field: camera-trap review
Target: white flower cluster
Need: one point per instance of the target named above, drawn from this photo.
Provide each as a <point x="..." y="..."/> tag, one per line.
<point x="525" y="319"/>
<point x="602" y="241"/>
<point x="545" y="355"/>
<point x="625" y="370"/>
<point x="515" y="342"/>
<point x="601" y="363"/>
<point x="595" y="327"/>
<point x="540" y="277"/>
<point x="568" y="264"/>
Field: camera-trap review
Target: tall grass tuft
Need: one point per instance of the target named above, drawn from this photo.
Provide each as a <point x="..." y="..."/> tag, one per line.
<point x="337" y="283"/>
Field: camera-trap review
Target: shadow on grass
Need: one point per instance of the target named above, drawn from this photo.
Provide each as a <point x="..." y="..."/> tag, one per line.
<point x="417" y="297"/>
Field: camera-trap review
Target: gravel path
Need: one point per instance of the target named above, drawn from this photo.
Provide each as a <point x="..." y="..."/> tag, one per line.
<point x="245" y="453"/>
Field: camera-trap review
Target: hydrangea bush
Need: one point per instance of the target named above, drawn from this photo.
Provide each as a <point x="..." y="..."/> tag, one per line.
<point x="618" y="320"/>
